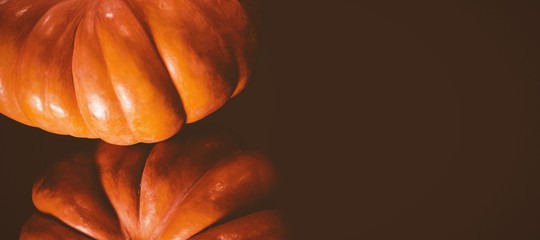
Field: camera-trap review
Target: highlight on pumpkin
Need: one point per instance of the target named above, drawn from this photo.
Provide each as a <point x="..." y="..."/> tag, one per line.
<point x="122" y="71"/>
<point x="201" y="184"/>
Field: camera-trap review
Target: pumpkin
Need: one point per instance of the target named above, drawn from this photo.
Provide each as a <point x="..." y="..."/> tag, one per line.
<point x="125" y="71"/>
<point x="201" y="185"/>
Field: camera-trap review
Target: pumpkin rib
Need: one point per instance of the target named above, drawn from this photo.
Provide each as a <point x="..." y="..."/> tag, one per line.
<point x="242" y="227"/>
<point x="40" y="224"/>
<point x="121" y="134"/>
<point x="139" y="16"/>
<point x="77" y="97"/>
<point x="137" y="13"/>
<point x="48" y="95"/>
<point x="224" y="48"/>
<point x="200" y="153"/>
<point x="102" y="152"/>
<point x="177" y="202"/>
<point x="17" y="40"/>
<point x="180" y="197"/>
<point x="18" y="61"/>
<point x="198" y="85"/>
<point x="240" y="81"/>
<point x="227" y="57"/>
<point x="42" y="95"/>
<point x="79" y="104"/>
<point x="106" y="66"/>
<point x="11" y="48"/>
<point x="139" y="78"/>
<point x="49" y="188"/>
<point x="93" y="133"/>
<point x="194" y="193"/>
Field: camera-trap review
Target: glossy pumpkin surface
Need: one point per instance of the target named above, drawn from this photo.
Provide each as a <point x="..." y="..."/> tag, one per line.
<point x="125" y="71"/>
<point x="202" y="185"/>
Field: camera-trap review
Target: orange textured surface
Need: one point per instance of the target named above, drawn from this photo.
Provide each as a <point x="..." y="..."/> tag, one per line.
<point x="123" y="71"/>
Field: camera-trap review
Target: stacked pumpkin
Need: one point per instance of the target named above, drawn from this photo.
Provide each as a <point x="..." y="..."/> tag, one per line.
<point x="132" y="71"/>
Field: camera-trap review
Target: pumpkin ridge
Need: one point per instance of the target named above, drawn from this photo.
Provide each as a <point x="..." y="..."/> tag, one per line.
<point x="267" y="217"/>
<point x="140" y="18"/>
<point x="181" y="197"/>
<point x="201" y="88"/>
<point x="27" y="230"/>
<point x="106" y="66"/>
<point x="125" y="155"/>
<point x="250" y="58"/>
<point x="140" y="81"/>
<point x="18" y="65"/>
<point x="80" y="115"/>
<point x="229" y="51"/>
<point x="67" y="122"/>
<point x="148" y="29"/>
<point x="225" y="49"/>
<point x="139" y="15"/>
<point x="85" y="118"/>
<point x="52" y="184"/>
<point x="17" y="37"/>
<point x="77" y="97"/>
<point x="232" y="156"/>
<point x="109" y="106"/>
<point x="197" y="150"/>
<point x="227" y="59"/>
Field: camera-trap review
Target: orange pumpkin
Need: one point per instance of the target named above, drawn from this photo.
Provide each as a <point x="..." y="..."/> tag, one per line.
<point x="125" y="71"/>
<point x="201" y="185"/>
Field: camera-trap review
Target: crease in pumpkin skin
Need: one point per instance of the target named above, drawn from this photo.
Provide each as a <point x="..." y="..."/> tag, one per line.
<point x="52" y="225"/>
<point x="179" y="199"/>
<point x="91" y="134"/>
<point x="55" y="115"/>
<point x="75" y="208"/>
<point x="203" y="153"/>
<point x="233" y="156"/>
<point x="16" y="62"/>
<point x="18" y="10"/>
<point x="184" y="63"/>
<point x="229" y="50"/>
<point x="163" y="56"/>
<point x="13" y="112"/>
<point x="230" y="230"/>
<point x="142" y="153"/>
<point x="182" y="195"/>
<point x="96" y="106"/>
<point x="77" y="97"/>
<point x="226" y="55"/>
<point x="17" y="96"/>
<point x="106" y="66"/>
<point x="138" y="12"/>
<point x="241" y="155"/>
<point x="153" y="75"/>
<point x="251" y="37"/>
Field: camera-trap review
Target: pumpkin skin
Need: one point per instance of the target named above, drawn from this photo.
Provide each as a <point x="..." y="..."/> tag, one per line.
<point x="201" y="185"/>
<point x="125" y="71"/>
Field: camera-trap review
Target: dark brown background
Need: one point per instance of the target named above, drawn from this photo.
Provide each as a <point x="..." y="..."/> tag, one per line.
<point x="396" y="120"/>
